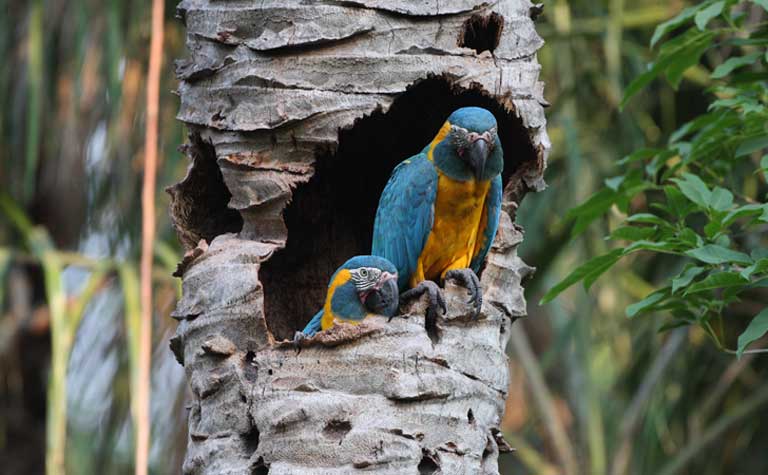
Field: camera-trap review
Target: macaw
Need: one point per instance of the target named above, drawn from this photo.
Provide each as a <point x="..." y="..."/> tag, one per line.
<point x="439" y="212"/>
<point x="362" y="286"/>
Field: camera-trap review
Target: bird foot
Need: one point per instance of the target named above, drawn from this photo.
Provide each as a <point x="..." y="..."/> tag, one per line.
<point x="435" y="299"/>
<point x="467" y="278"/>
<point x="298" y="337"/>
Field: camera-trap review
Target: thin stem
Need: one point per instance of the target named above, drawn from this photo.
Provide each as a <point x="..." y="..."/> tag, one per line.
<point x="544" y="401"/>
<point x="714" y="431"/>
<point x="632" y="417"/>
<point x="147" y="240"/>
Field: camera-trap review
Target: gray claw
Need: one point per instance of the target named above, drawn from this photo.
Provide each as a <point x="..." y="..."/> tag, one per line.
<point x="298" y="337"/>
<point x="435" y="297"/>
<point x="467" y="278"/>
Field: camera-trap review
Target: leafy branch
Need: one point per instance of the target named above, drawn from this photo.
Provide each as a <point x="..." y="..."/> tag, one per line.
<point x="683" y="199"/>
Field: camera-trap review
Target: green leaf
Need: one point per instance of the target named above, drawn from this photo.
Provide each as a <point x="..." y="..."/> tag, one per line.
<point x="720" y="199"/>
<point x="752" y="145"/>
<point x="734" y="63"/>
<point x="756" y="329"/>
<point x="676" y="323"/>
<point x="723" y="241"/>
<point x="674" y="58"/>
<point x="694" y="189"/>
<point x="690" y="238"/>
<point x="589" y="270"/>
<point x="759" y="267"/>
<point x="590" y="210"/>
<point x="661" y="246"/>
<point x="686" y="277"/>
<point x="640" y="155"/>
<point x="685" y="55"/>
<point x="742" y="211"/>
<point x="647" y="218"/>
<point x="633" y="233"/>
<point x="696" y="124"/>
<point x="712" y="228"/>
<point x="646" y="304"/>
<point x="719" y="280"/>
<point x="706" y="15"/>
<point x="764" y="163"/>
<point x="762" y="3"/>
<point x="678" y="203"/>
<point x="714" y="254"/>
<point x="673" y="23"/>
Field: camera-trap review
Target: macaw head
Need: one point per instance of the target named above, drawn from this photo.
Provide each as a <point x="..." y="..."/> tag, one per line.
<point x="363" y="285"/>
<point x="468" y="146"/>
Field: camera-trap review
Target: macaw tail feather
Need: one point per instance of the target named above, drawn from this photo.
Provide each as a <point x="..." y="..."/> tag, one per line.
<point x="314" y="325"/>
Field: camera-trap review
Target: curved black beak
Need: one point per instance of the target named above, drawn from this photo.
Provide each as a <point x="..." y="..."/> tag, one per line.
<point x="384" y="299"/>
<point x="477" y="155"/>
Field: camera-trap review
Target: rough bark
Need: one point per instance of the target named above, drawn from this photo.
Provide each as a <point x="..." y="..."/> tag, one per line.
<point x="298" y="112"/>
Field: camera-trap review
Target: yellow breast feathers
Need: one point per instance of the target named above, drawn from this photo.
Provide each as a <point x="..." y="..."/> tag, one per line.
<point x="460" y="217"/>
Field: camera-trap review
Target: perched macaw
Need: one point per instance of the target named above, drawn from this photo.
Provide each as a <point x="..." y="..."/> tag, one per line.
<point x="362" y="286"/>
<point x="439" y="212"/>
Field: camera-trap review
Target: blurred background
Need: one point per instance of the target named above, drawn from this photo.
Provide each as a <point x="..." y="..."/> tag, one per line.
<point x="589" y="388"/>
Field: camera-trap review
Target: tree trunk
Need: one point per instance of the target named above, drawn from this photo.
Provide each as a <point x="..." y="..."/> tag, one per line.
<point x="298" y="112"/>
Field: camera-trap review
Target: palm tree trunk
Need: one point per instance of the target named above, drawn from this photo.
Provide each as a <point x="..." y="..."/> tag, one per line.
<point x="298" y="112"/>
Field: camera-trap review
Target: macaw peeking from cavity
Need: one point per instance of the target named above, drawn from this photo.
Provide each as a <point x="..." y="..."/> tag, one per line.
<point x="439" y="212"/>
<point x="362" y="286"/>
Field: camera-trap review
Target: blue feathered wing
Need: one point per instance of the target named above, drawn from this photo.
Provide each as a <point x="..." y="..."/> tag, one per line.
<point x="405" y="215"/>
<point x="493" y="211"/>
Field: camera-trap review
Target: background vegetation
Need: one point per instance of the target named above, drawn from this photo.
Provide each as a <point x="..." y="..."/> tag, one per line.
<point x="592" y="390"/>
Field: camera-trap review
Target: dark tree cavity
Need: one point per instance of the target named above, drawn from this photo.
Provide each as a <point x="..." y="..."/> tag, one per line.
<point x="482" y="33"/>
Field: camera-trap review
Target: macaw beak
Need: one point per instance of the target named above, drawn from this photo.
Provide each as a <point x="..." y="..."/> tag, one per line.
<point x="477" y="155"/>
<point x="384" y="298"/>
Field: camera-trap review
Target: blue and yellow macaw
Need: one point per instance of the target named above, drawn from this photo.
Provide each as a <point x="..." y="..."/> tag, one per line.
<point x="362" y="286"/>
<point x="439" y="212"/>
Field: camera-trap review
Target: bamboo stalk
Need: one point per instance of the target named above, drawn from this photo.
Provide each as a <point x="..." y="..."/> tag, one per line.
<point x="147" y="240"/>
<point x="631" y="19"/>
<point x="633" y="415"/>
<point x="544" y="401"/>
<point x="714" y="431"/>
<point x="34" y="96"/>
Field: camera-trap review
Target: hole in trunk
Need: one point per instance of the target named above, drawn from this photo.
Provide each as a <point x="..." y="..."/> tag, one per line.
<point x="251" y="440"/>
<point x="260" y="467"/>
<point x="482" y="33"/>
<point x="336" y="429"/>
<point x="428" y="465"/>
<point x="330" y="219"/>
<point x="199" y="202"/>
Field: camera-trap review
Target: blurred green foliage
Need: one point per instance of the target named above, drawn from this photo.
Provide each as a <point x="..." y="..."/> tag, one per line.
<point x="591" y="392"/>
<point x="697" y="199"/>
<point x="629" y="398"/>
<point x="72" y="99"/>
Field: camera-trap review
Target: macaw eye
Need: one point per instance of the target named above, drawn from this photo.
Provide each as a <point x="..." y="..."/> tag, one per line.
<point x="459" y="136"/>
<point x="363" y="272"/>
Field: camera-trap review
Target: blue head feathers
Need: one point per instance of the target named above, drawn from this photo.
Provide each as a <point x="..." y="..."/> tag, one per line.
<point x="368" y="261"/>
<point x="468" y="146"/>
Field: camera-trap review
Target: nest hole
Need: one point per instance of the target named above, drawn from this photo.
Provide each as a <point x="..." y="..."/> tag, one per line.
<point x="199" y="202"/>
<point x="428" y="465"/>
<point x="330" y="219"/>
<point x="251" y="440"/>
<point x="336" y="429"/>
<point x="260" y="467"/>
<point x="482" y="33"/>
